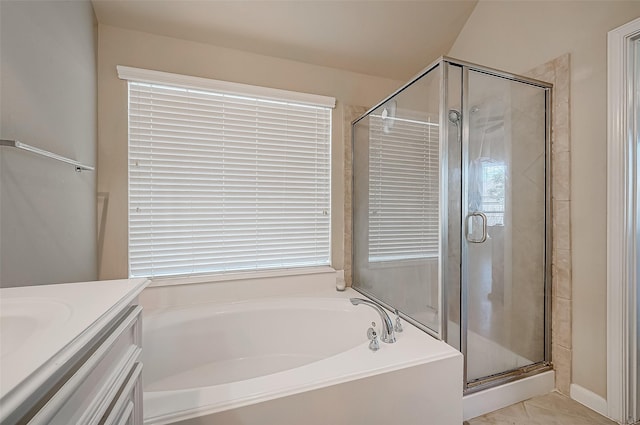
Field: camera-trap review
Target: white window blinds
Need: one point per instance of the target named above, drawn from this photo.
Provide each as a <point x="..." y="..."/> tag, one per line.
<point x="224" y="182"/>
<point x="403" y="189"/>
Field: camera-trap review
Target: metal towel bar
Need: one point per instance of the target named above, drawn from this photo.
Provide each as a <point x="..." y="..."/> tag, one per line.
<point x="16" y="144"/>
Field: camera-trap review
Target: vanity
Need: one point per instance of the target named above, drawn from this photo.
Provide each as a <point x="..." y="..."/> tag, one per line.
<point x="71" y="353"/>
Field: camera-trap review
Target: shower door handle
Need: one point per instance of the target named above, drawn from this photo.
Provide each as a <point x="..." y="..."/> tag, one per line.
<point x="468" y="231"/>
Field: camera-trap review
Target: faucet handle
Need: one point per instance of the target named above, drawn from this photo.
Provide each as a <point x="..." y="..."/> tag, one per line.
<point x="371" y="332"/>
<point x="398" y="325"/>
<point x="374" y="345"/>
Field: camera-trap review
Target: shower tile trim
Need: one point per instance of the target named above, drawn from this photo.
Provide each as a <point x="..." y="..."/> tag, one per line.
<point x="350" y="113"/>
<point x="557" y="72"/>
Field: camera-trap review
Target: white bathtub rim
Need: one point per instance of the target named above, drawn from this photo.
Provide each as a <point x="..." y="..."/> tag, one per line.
<point x="271" y="303"/>
<point x="255" y="397"/>
<point x="183" y="292"/>
<point x="252" y="275"/>
<point x="359" y="348"/>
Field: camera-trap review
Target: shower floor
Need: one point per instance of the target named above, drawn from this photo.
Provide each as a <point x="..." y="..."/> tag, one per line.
<point x="488" y="357"/>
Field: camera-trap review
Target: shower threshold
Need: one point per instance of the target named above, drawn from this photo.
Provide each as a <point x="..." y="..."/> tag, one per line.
<point x="512" y="389"/>
<point x="497" y="379"/>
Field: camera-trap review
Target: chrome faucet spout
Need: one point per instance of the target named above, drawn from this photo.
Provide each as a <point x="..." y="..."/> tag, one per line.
<point x="388" y="334"/>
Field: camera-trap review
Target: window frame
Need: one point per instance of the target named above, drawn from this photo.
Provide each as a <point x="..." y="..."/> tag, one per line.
<point x="196" y="83"/>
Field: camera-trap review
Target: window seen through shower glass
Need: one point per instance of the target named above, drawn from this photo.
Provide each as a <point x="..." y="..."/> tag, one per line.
<point x="403" y="185"/>
<point x="396" y="226"/>
<point x="493" y="192"/>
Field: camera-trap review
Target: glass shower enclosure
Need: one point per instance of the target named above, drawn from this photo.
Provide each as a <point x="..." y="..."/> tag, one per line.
<point x="451" y="214"/>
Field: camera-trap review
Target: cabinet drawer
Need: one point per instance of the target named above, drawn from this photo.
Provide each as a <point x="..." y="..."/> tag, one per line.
<point x="84" y="397"/>
<point x="127" y="406"/>
<point x="126" y="418"/>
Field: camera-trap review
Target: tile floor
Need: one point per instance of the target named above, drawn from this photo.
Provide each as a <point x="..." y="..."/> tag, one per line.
<point x="549" y="409"/>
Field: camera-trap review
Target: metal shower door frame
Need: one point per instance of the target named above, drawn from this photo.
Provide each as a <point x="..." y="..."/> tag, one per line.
<point x="508" y="376"/>
<point x="545" y="364"/>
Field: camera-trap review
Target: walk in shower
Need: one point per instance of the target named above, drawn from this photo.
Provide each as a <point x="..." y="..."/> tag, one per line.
<point x="451" y="214"/>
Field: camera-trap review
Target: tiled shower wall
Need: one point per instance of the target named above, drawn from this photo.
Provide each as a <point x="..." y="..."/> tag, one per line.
<point x="557" y="73"/>
<point x="350" y="113"/>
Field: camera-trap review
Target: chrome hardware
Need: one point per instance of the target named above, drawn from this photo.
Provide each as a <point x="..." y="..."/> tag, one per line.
<point x="398" y="326"/>
<point x="469" y="232"/>
<point x="388" y="334"/>
<point x="374" y="345"/>
<point x="371" y="332"/>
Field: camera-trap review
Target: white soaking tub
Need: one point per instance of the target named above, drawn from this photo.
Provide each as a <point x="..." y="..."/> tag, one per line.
<point x="293" y="360"/>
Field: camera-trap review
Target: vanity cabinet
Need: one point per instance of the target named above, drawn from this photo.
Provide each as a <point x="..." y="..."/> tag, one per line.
<point x="96" y="378"/>
<point x="104" y="386"/>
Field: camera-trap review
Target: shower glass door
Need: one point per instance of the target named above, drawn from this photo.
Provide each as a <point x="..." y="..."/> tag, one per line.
<point x="504" y="230"/>
<point x="451" y="214"/>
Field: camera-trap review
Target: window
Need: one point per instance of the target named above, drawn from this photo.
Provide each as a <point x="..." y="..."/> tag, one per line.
<point x="403" y="188"/>
<point x="222" y="179"/>
<point x="493" y="192"/>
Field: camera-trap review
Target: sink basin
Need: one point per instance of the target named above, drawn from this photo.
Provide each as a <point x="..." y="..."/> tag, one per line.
<point x="24" y="318"/>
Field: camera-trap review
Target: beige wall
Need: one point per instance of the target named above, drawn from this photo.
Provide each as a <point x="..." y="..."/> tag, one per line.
<point x="132" y="48"/>
<point x="518" y="36"/>
<point x="49" y="98"/>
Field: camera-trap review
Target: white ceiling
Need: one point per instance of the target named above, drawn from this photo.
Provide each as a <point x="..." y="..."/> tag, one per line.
<point x="390" y="38"/>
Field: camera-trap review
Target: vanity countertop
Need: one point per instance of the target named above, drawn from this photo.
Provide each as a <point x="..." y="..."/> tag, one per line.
<point x="41" y="327"/>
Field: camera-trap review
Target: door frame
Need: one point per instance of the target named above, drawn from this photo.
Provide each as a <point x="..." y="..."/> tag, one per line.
<point x="622" y="226"/>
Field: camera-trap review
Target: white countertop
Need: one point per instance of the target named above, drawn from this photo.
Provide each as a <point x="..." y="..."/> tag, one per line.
<point x="42" y="326"/>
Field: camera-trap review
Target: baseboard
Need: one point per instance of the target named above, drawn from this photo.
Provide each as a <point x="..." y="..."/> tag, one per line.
<point x="492" y="399"/>
<point x="588" y="398"/>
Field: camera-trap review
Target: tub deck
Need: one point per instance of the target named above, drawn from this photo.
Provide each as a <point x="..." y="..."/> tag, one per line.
<point x="328" y="376"/>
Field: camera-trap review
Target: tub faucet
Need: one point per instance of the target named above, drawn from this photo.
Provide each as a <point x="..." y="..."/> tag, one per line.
<point x="388" y="334"/>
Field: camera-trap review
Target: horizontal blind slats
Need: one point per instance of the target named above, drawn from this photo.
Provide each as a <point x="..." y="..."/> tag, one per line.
<point x="404" y="172"/>
<point x="222" y="182"/>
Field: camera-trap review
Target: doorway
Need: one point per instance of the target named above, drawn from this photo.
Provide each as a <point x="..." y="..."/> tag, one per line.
<point x="623" y="224"/>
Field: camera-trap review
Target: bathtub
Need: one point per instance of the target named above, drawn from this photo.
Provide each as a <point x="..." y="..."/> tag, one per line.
<point x="292" y="359"/>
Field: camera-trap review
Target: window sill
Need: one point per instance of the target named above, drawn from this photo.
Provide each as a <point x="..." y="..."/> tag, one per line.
<point x="231" y="276"/>
<point x="412" y="262"/>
